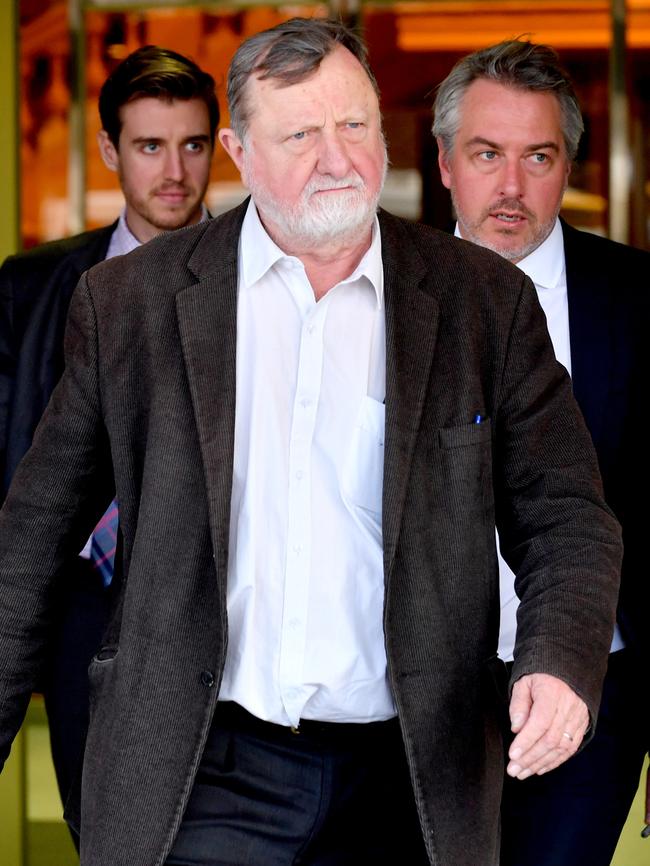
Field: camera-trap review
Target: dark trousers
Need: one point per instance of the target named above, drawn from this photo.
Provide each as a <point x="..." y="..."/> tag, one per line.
<point x="331" y="795"/>
<point x="81" y="617"/>
<point x="574" y="815"/>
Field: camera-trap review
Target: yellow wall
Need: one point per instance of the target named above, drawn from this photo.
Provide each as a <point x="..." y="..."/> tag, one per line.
<point x="11" y="800"/>
<point x="632" y="849"/>
<point x="8" y="127"/>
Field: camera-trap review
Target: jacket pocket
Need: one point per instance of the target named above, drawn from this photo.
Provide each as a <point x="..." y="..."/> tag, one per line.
<point x="465" y="435"/>
<point x="101" y="665"/>
<point x="104" y="654"/>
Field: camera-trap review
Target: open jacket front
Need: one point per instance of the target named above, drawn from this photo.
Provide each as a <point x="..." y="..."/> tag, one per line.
<point x="146" y="406"/>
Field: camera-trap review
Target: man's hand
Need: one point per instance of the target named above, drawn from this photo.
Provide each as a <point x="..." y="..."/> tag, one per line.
<point x="550" y="721"/>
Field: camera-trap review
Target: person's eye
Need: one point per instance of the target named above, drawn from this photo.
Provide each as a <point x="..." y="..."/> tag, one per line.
<point x="194" y="146"/>
<point x="488" y="155"/>
<point x="150" y="147"/>
<point x="299" y="136"/>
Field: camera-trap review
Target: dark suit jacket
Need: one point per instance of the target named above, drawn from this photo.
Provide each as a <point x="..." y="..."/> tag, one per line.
<point x="35" y="292"/>
<point x="609" y="322"/>
<point x="147" y="402"/>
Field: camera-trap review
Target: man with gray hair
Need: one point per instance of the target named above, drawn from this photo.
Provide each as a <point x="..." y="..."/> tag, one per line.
<point x="311" y="415"/>
<point x="508" y="126"/>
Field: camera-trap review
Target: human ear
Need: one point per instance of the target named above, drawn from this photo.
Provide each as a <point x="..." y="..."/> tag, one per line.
<point x="108" y="151"/>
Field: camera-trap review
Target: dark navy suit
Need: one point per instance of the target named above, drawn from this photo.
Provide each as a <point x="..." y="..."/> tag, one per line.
<point x="35" y="292"/>
<point x="574" y="815"/>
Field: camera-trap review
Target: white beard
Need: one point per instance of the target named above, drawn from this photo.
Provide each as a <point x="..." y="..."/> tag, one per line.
<point x="318" y="219"/>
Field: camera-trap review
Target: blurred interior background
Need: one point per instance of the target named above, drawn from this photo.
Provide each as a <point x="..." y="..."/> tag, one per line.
<point x="54" y="57"/>
<point x="66" y="48"/>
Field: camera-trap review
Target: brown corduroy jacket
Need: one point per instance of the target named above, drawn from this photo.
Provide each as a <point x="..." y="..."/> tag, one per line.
<point x="146" y="406"/>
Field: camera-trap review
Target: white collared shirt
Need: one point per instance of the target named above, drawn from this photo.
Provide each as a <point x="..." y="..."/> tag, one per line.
<point x="305" y="572"/>
<point x="546" y="267"/>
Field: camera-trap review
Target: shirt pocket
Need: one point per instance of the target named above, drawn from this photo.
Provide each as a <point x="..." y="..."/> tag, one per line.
<point x="363" y="472"/>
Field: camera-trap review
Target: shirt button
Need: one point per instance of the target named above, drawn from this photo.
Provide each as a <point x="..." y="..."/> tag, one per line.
<point x="207" y="679"/>
<point x="299" y="474"/>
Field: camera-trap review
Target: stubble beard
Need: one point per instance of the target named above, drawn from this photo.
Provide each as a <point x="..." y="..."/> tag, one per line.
<point x="156" y="214"/>
<point x="170" y="219"/>
<point x="471" y="229"/>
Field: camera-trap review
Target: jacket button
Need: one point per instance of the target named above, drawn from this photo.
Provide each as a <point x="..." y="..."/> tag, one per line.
<point x="207" y="679"/>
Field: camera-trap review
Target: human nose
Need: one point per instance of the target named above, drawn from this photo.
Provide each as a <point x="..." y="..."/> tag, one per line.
<point x="333" y="157"/>
<point x="174" y="165"/>
<point x="512" y="179"/>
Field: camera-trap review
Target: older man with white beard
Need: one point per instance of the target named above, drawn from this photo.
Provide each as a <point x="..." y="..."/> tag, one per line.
<point x="323" y="416"/>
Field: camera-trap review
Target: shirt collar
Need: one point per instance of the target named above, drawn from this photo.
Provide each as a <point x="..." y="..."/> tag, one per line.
<point x="124" y="241"/>
<point x="258" y="253"/>
<point x="545" y="265"/>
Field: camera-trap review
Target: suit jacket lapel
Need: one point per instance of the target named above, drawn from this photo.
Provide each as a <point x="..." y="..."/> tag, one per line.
<point x="207" y="321"/>
<point x="207" y="317"/>
<point x="590" y="333"/>
<point x="411" y="328"/>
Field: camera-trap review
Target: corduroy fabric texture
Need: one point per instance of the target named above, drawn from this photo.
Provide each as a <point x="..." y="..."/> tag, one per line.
<point x="147" y="404"/>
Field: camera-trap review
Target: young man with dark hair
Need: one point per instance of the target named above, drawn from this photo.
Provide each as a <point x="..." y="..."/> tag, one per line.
<point x="160" y="113"/>
<point x="508" y="126"/>
<point x="155" y="72"/>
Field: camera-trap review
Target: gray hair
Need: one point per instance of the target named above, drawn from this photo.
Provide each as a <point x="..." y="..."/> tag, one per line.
<point x="514" y="63"/>
<point x="288" y="53"/>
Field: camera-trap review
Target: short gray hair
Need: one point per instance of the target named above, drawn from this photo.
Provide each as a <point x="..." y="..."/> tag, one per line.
<point x="515" y="63"/>
<point x="288" y="53"/>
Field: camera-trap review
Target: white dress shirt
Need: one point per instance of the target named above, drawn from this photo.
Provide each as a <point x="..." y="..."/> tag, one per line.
<point x="547" y="269"/>
<point x="305" y="574"/>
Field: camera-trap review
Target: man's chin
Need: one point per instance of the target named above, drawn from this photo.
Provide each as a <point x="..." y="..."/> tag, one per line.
<point x="339" y="231"/>
<point x="507" y="242"/>
<point x="173" y="218"/>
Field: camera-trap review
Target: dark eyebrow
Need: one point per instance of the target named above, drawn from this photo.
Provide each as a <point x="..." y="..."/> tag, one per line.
<point x="484" y="141"/>
<point x="544" y="145"/>
<point x="201" y="137"/>
<point x="531" y="148"/>
<point x="145" y="139"/>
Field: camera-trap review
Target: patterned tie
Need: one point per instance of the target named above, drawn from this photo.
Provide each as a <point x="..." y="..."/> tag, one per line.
<point x="104" y="541"/>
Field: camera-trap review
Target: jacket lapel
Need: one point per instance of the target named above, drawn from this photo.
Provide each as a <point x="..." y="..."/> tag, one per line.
<point x="207" y="318"/>
<point x="411" y="328"/>
<point x="207" y="321"/>
<point x="590" y="324"/>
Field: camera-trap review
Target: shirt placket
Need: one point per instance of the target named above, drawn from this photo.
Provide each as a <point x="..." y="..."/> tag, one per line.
<point x="299" y="537"/>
